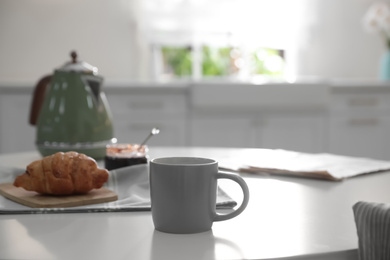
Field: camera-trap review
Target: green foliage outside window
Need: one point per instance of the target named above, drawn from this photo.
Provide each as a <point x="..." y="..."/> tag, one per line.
<point x="267" y="62"/>
<point x="224" y="61"/>
<point x="216" y="61"/>
<point x="177" y="60"/>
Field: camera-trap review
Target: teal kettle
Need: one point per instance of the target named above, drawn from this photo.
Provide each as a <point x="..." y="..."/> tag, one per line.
<point x="71" y="112"/>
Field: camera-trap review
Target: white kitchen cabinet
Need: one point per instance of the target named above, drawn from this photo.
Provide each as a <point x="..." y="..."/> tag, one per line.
<point x="359" y="122"/>
<point x="147" y="105"/>
<point x="354" y="120"/>
<point x="136" y="113"/>
<point x="15" y="132"/>
<point x="292" y="132"/>
<point x="221" y="131"/>
<point x="275" y="131"/>
<point x="173" y="132"/>
<point x="361" y="136"/>
<point x="273" y="116"/>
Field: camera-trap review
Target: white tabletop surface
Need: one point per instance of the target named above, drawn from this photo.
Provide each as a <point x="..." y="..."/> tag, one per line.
<point x="287" y="218"/>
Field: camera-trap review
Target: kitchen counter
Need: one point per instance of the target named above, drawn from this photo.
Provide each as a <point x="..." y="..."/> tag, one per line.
<point x="339" y="116"/>
<point x="177" y="85"/>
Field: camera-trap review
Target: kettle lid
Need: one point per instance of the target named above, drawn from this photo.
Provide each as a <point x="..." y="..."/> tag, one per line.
<point x="79" y="66"/>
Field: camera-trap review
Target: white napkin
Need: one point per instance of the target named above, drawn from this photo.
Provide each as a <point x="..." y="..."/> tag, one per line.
<point x="131" y="184"/>
<point x="373" y="229"/>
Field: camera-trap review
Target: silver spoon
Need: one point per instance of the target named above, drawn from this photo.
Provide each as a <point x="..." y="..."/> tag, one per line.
<point x="154" y="131"/>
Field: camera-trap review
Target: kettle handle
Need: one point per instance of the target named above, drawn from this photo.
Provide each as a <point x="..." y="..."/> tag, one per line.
<point x="38" y="97"/>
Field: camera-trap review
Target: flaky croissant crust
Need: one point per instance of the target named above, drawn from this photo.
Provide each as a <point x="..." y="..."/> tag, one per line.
<point x="62" y="174"/>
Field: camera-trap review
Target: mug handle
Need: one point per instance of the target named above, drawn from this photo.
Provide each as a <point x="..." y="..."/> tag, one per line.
<point x="245" y="190"/>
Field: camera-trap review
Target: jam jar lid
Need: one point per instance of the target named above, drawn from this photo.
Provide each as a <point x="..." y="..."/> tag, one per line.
<point x="126" y="150"/>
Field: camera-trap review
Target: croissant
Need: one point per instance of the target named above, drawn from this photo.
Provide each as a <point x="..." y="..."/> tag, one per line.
<point x="62" y="174"/>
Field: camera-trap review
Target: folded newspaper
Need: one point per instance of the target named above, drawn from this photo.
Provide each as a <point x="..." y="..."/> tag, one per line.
<point x="320" y="166"/>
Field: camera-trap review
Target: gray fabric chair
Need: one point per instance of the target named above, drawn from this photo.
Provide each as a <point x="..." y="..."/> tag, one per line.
<point x="373" y="230"/>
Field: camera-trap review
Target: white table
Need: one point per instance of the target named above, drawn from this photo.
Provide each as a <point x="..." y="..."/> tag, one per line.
<point x="287" y="218"/>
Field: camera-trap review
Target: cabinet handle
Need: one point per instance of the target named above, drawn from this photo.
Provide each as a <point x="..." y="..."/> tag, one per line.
<point x="363" y="102"/>
<point x="363" y="122"/>
<point x="146" y="105"/>
<point x="143" y="127"/>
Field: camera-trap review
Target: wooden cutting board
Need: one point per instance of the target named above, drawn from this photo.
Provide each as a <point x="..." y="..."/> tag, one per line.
<point x="35" y="200"/>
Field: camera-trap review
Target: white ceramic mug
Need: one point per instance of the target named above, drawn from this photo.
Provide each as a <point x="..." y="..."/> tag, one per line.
<point x="183" y="193"/>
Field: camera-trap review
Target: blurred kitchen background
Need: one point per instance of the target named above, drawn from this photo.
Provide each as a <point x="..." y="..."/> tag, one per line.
<point x="292" y="74"/>
<point x="321" y="39"/>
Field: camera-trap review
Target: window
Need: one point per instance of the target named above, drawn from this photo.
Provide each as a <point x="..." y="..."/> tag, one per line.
<point x="220" y="62"/>
<point x="235" y="39"/>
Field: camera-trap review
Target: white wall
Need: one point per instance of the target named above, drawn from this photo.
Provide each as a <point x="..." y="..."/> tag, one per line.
<point x="37" y="36"/>
<point x="336" y="44"/>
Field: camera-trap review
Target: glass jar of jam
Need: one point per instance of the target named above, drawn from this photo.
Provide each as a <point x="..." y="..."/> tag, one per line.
<point x="123" y="155"/>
